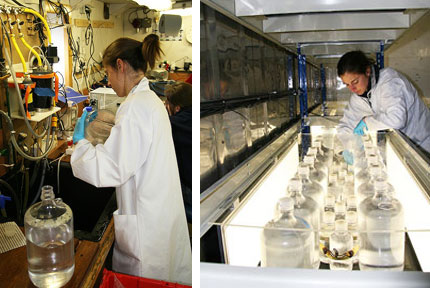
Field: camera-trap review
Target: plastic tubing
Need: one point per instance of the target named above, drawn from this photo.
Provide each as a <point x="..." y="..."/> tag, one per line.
<point x="12" y="37"/>
<point x="18" y="95"/>
<point x="39" y="61"/>
<point x="16" y="146"/>
<point x="48" y="31"/>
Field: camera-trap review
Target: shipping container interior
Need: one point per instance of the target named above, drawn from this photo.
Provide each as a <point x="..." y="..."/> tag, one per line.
<point x="268" y="69"/>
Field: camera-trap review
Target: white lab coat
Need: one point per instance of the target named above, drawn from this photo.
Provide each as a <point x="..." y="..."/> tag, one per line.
<point x="138" y="158"/>
<point x="394" y="104"/>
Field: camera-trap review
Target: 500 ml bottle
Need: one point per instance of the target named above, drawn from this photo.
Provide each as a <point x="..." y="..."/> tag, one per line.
<point x="49" y="233"/>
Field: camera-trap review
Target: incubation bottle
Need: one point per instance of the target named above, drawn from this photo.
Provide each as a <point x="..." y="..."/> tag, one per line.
<point x="49" y="233"/>
<point x="315" y="174"/>
<point x="310" y="188"/>
<point x="381" y="228"/>
<point x="341" y="245"/>
<point x="307" y="209"/>
<point x="287" y="241"/>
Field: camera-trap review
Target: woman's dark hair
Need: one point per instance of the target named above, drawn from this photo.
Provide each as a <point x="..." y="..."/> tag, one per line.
<point x="353" y="62"/>
<point x="179" y="94"/>
<point x="138" y="54"/>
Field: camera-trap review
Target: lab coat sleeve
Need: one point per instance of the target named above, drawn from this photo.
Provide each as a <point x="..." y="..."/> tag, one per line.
<point x="113" y="163"/>
<point x="353" y="113"/>
<point x="392" y="111"/>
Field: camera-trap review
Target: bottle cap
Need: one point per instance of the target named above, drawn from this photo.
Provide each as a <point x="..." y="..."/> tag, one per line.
<point x="342" y="174"/>
<point x="351" y="217"/>
<point x="372" y="159"/>
<point x="285" y="204"/>
<point x="351" y="201"/>
<point x="375" y="169"/>
<point x="317" y="143"/>
<point x="313" y="151"/>
<point x="309" y="159"/>
<point x="341" y="225"/>
<point x="332" y="177"/>
<point x="380" y="183"/>
<point x="339" y="207"/>
<point x="349" y="177"/>
<point x="303" y="169"/>
<point x="329" y="200"/>
<point x="329" y="217"/>
<point x="295" y="184"/>
<point x="89" y="108"/>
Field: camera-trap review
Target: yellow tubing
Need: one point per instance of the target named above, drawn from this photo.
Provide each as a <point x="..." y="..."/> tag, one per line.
<point x="39" y="61"/>
<point x="43" y="20"/>
<point x="12" y="37"/>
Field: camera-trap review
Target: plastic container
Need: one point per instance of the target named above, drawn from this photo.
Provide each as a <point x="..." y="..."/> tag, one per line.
<point x="307" y="209"/>
<point x="98" y="125"/>
<point x="381" y="226"/>
<point x="341" y="242"/>
<point x="287" y="240"/>
<point x="50" y="246"/>
<point x="118" y="280"/>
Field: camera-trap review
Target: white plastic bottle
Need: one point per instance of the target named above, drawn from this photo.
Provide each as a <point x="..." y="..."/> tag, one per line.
<point x="287" y="241"/>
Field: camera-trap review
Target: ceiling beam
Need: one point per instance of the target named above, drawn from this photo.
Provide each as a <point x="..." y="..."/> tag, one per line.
<point x="270" y="7"/>
<point x="336" y="21"/>
<point x="348" y="35"/>
<point x="339" y="49"/>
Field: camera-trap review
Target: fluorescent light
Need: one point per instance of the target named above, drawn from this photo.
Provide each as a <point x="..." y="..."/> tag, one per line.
<point x="181" y="12"/>
<point x="158" y="5"/>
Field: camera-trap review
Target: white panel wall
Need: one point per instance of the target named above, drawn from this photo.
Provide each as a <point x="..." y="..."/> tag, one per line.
<point x="410" y="55"/>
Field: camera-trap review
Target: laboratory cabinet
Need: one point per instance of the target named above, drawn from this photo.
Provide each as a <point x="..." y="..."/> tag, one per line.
<point x="234" y="211"/>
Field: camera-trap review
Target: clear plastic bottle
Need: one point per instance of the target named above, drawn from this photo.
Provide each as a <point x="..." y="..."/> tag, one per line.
<point x="315" y="174"/>
<point x="340" y="209"/>
<point x="287" y="241"/>
<point x="363" y="175"/>
<point x="50" y="248"/>
<point x="381" y="226"/>
<point x="340" y="243"/>
<point x="327" y="228"/>
<point x="329" y="201"/>
<point x="310" y="188"/>
<point x="307" y="209"/>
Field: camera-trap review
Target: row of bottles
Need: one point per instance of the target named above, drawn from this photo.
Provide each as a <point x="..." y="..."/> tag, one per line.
<point x="339" y="214"/>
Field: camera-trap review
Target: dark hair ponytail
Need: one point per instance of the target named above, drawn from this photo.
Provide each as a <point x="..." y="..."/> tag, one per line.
<point x="138" y="54"/>
<point x="151" y="50"/>
<point x="353" y="62"/>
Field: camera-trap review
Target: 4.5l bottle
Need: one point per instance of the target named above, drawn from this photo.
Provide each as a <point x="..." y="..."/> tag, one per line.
<point x="49" y="232"/>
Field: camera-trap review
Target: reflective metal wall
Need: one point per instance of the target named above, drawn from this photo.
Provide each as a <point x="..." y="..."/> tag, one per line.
<point x="248" y="93"/>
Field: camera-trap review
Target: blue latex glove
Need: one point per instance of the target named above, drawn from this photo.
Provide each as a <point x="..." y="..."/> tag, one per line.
<point x="359" y="129"/>
<point x="79" y="133"/>
<point x="348" y="157"/>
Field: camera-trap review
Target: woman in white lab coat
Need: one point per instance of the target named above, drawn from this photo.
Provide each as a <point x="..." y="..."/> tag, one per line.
<point x="381" y="100"/>
<point x="138" y="158"/>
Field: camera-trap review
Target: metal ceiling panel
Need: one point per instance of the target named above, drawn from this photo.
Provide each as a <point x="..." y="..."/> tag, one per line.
<point x="268" y="7"/>
<point x="336" y="21"/>
<point x="327" y="49"/>
<point x="347" y="35"/>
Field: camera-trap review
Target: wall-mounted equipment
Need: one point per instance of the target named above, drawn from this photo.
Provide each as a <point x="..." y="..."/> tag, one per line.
<point x="170" y="24"/>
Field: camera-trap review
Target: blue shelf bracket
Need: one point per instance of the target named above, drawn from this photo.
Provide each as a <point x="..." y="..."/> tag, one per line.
<point x="380" y="56"/>
<point x="323" y="91"/>
<point x="303" y="90"/>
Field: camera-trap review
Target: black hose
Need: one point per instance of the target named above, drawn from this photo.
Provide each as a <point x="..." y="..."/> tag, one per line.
<point x="35" y="173"/>
<point x="14" y="195"/>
